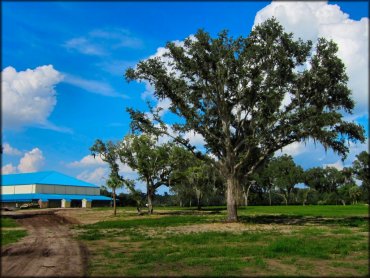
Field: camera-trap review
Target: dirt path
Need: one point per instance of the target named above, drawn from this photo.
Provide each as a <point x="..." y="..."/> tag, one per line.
<point x="48" y="250"/>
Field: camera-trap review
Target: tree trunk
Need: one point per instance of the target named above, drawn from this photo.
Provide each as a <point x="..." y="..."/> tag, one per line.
<point x="232" y="187"/>
<point x="247" y="194"/>
<point x="150" y="196"/>
<point x="138" y="208"/>
<point x="114" y="202"/>
<point x="245" y="198"/>
<point x="199" y="195"/>
<point x="270" y="196"/>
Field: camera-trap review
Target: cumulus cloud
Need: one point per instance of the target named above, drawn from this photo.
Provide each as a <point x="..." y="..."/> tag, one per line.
<point x="31" y="161"/>
<point x="293" y="149"/>
<point x="8" y="169"/>
<point x="125" y="170"/>
<point x="195" y="138"/>
<point x="29" y="97"/>
<point x="164" y="104"/>
<point x="97" y="171"/>
<point x="97" y="176"/>
<point x="9" y="150"/>
<point x="311" y="20"/>
<point x="338" y="165"/>
<point x="87" y="161"/>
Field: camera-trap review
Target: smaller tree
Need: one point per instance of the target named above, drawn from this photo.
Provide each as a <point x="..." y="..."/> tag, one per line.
<point x="154" y="163"/>
<point x="303" y="195"/>
<point x="202" y="179"/>
<point x="362" y="172"/>
<point x="285" y="175"/>
<point x="108" y="153"/>
<point x="114" y="182"/>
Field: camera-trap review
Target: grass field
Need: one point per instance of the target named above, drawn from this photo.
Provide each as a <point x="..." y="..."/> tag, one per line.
<point x="10" y="231"/>
<point x="282" y="241"/>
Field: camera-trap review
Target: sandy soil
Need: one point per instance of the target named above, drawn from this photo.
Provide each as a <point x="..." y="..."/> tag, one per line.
<point x="48" y="250"/>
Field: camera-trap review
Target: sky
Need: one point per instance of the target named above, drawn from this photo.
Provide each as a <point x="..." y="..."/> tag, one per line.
<point x="63" y="65"/>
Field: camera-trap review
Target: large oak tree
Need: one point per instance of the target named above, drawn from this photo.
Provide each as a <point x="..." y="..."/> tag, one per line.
<point x="251" y="96"/>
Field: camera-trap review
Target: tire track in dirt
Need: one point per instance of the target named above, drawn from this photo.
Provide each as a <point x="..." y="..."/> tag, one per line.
<point x="48" y="250"/>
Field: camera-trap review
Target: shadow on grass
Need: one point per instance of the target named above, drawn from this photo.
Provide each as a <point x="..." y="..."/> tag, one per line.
<point x="303" y="220"/>
<point x="191" y="211"/>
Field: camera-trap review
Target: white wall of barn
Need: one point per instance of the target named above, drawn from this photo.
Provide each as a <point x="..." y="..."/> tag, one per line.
<point x="49" y="189"/>
<point x="18" y="189"/>
<point x="62" y="189"/>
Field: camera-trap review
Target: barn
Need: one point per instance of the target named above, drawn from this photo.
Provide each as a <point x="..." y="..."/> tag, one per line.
<point x="49" y="190"/>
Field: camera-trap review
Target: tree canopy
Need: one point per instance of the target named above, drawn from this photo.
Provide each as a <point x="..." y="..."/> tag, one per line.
<point x="361" y="168"/>
<point x="249" y="97"/>
<point x="108" y="153"/>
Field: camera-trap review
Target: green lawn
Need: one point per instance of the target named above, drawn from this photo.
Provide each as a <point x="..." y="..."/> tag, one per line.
<point x="9" y="231"/>
<point x="11" y="236"/>
<point x="293" y="240"/>
<point x="8" y="223"/>
<point x="323" y="211"/>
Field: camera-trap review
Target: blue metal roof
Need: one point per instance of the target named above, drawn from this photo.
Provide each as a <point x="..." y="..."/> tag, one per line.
<point x="49" y="177"/>
<point x="37" y="196"/>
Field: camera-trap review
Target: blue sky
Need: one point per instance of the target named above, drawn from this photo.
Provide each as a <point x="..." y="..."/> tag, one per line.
<point x="53" y="114"/>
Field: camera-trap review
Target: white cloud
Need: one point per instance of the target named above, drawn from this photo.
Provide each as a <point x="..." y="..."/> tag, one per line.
<point x="117" y="37"/>
<point x="9" y="150"/>
<point x="338" y="165"/>
<point x="101" y="42"/>
<point x="115" y="67"/>
<point x="195" y="138"/>
<point x="97" y="171"/>
<point x="293" y="149"/>
<point x="28" y="97"/>
<point x="125" y="170"/>
<point x="84" y="46"/>
<point x="8" y="169"/>
<point x="31" y="161"/>
<point x="311" y="20"/>
<point x="92" y="86"/>
<point x="87" y="161"/>
<point x="97" y="176"/>
<point x="149" y="89"/>
<point x="164" y="105"/>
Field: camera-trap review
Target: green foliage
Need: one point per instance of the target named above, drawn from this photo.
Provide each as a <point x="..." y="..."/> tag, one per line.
<point x="155" y="164"/>
<point x="361" y="169"/>
<point x="8" y="222"/>
<point x="91" y="234"/>
<point x="108" y="152"/>
<point x="316" y="210"/>
<point x="11" y="236"/>
<point x="231" y="91"/>
<point x="195" y="179"/>
<point x="282" y="173"/>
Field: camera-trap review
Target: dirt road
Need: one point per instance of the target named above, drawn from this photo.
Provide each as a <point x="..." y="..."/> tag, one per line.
<point x="48" y="250"/>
